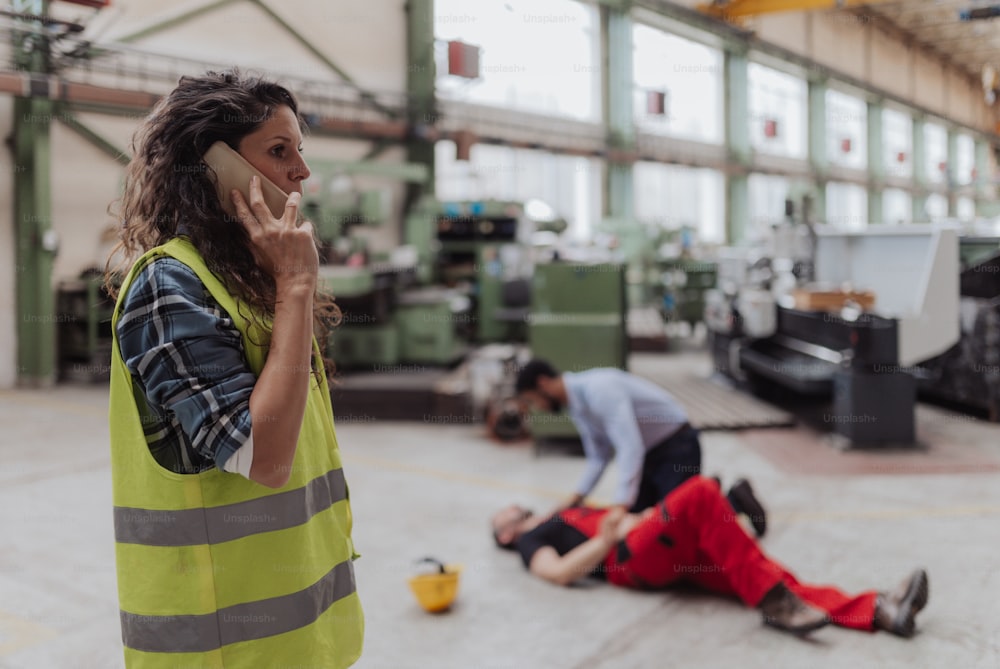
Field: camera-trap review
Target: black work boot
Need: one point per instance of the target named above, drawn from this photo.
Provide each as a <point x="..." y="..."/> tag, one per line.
<point x="743" y="501"/>
<point x="783" y="609"/>
<point x="896" y="611"/>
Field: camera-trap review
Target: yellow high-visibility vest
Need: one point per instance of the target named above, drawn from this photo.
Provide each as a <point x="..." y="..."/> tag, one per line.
<point x="215" y="570"/>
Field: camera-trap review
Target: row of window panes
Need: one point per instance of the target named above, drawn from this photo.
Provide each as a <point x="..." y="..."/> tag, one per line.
<point x="553" y="68"/>
<point x="665" y="196"/>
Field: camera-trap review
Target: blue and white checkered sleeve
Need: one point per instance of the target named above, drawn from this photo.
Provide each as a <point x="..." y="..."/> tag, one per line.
<point x="187" y="354"/>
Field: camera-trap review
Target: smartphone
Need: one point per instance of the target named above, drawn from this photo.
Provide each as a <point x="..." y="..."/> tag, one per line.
<point x="233" y="171"/>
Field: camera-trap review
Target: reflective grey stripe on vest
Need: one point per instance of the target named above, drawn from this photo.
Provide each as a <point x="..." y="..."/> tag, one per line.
<point x="242" y="622"/>
<point x="217" y="524"/>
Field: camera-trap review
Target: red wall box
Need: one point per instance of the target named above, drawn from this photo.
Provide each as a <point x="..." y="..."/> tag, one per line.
<point x="656" y="103"/>
<point x="463" y="60"/>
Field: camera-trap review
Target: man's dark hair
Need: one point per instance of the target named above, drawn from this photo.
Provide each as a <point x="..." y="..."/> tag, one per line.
<point x="527" y="378"/>
<point x="507" y="546"/>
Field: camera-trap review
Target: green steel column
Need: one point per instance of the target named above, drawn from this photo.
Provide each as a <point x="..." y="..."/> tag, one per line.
<point x="738" y="150"/>
<point x="919" y="172"/>
<point x="420" y="86"/>
<point x="617" y="85"/>
<point x="876" y="163"/>
<point x="951" y="175"/>
<point x="982" y="181"/>
<point x="818" y="160"/>
<point x="34" y="237"/>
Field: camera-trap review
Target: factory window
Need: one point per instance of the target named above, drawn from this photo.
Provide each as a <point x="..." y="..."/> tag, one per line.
<point x="897" y="206"/>
<point x="965" y="208"/>
<point x="897" y="143"/>
<point x="534" y="55"/>
<point x="571" y="185"/>
<point x="778" y="104"/>
<point x="936" y="153"/>
<point x="767" y="196"/>
<point x="935" y="208"/>
<point x="846" y="206"/>
<point x="846" y="130"/>
<point x="678" y="86"/>
<point x="965" y="160"/>
<point x="673" y="196"/>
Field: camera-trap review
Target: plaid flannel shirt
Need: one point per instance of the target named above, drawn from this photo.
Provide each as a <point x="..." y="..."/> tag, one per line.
<point x="187" y="357"/>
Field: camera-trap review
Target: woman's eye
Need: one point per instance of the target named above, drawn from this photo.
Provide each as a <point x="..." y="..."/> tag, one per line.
<point x="278" y="151"/>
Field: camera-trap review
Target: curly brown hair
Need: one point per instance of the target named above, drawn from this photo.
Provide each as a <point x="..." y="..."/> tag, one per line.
<point x="168" y="191"/>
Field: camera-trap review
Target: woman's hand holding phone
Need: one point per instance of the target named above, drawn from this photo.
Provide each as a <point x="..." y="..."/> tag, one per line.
<point x="284" y="249"/>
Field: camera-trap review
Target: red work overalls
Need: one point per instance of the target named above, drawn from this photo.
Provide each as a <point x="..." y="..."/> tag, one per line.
<point x="693" y="535"/>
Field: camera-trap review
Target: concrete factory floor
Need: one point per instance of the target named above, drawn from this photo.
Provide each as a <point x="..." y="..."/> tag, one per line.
<point x="423" y="489"/>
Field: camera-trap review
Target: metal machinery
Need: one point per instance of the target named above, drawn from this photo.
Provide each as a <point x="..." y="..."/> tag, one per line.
<point x="761" y="324"/>
<point x="685" y="282"/>
<point x="482" y="251"/>
<point x="969" y="372"/>
<point x="83" y="328"/>
<point x="577" y="321"/>
<point x="387" y="317"/>
<point x="461" y="278"/>
<point x="662" y="270"/>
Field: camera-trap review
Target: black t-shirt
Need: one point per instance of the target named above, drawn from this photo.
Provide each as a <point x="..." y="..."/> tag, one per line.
<point x="553" y="532"/>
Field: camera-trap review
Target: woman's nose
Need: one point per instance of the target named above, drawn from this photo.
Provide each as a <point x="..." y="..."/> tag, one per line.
<point x="300" y="171"/>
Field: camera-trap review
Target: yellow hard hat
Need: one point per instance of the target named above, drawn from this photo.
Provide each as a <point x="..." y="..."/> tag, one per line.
<point x="436" y="591"/>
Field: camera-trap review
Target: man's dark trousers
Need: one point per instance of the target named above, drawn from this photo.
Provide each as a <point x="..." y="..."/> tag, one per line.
<point x="667" y="465"/>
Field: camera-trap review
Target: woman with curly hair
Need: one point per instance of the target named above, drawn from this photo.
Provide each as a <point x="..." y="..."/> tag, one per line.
<point x="232" y="515"/>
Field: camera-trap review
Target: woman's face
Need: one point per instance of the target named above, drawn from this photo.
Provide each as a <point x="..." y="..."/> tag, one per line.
<point x="274" y="148"/>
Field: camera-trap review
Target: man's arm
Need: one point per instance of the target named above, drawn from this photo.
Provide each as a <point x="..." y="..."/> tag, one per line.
<point x="630" y="451"/>
<point x="579" y="562"/>
<point x="597" y="462"/>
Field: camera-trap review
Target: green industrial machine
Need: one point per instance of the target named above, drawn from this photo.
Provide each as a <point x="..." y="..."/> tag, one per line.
<point x="674" y="284"/>
<point x="367" y="286"/>
<point x="429" y="323"/>
<point x="480" y="248"/>
<point x="367" y="335"/>
<point x="469" y="279"/>
<point x="577" y="322"/>
<point x="682" y="287"/>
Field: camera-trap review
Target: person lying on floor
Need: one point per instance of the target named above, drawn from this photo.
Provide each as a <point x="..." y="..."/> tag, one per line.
<point x="693" y="535"/>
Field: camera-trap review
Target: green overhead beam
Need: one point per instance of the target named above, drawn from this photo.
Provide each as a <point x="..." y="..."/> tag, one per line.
<point x="77" y="126"/>
<point x="174" y="21"/>
<point x="376" y="150"/>
<point x="298" y="37"/>
<point x="209" y="7"/>
<point x="617" y="5"/>
<point x="414" y="173"/>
